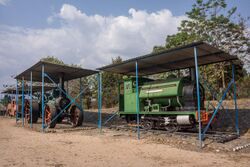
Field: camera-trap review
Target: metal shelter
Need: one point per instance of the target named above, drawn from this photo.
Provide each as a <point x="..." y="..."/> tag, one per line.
<point x="47" y="73"/>
<point x="189" y="56"/>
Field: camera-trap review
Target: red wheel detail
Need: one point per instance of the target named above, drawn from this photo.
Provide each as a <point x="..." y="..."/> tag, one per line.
<point x="47" y="114"/>
<point x="27" y="110"/>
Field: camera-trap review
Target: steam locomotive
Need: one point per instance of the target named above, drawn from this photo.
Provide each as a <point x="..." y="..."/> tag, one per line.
<point x="168" y="104"/>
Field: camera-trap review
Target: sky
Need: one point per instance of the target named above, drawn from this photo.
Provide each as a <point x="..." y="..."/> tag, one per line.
<point x="88" y="33"/>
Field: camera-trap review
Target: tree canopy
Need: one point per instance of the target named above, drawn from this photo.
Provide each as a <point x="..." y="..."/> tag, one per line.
<point x="52" y="59"/>
<point x="213" y="22"/>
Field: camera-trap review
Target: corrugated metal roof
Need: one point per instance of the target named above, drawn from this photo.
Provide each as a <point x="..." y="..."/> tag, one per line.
<point x="54" y="71"/>
<point x="172" y="59"/>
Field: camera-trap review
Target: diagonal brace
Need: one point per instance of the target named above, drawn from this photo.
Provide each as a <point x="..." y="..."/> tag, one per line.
<point x="46" y="75"/>
<point x="72" y="101"/>
<point x="217" y="108"/>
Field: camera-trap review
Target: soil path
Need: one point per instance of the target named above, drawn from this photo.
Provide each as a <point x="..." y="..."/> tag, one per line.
<point x="23" y="147"/>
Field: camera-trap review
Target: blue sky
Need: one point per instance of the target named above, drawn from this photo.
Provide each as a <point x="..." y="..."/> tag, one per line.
<point x="33" y="13"/>
<point x="86" y="32"/>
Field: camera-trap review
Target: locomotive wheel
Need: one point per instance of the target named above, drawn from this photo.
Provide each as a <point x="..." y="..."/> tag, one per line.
<point x="76" y="116"/>
<point x="171" y="128"/>
<point x="147" y="125"/>
<point x="50" y="114"/>
<point x="35" y="111"/>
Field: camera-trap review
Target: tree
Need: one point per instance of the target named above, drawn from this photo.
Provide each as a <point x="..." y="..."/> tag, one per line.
<point x="178" y="39"/>
<point x="110" y="82"/>
<point x="6" y="99"/>
<point x="52" y="59"/>
<point x="212" y="22"/>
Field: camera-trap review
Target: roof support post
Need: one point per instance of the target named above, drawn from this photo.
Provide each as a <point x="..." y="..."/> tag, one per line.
<point x="22" y="101"/>
<point x="81" y="96"/>
<point x="198" y="92"/>
<point x="43" y="98"/>
<point x="31" y="102"/>
<point x="235" y="102"/>
<point x="137" y="101"/>
<point x="16" y="100"/>
<point x="99" y="78"/>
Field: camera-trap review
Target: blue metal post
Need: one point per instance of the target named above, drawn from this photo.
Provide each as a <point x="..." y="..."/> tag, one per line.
<point x="137" y="101"/>
<point x="22" y="101"/>
<point x="43" y="98"/>
<point x="198" y="92"/>
<point x="31" y="102"/>
<point x="81" y="96"/>
<point x="99" y="100"/>
<point x="235" y="102"/>
<point x="17" y="100"/>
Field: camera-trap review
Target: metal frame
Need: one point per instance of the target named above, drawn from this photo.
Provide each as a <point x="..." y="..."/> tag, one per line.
<point x="137" y="102"/>
<point x="30" y="94"/>
<point x="165" y="62"/>
<point x="72" y="100"/>
<point x="198" y="92"/>
<point x="43" y="98"/>
<point x="99" y="79"/>
<point x="17" y="93"/>
<point x="230" y="85"/>
<point x="202" y="132"/>
<point x="31" y="102"/>
<point x="22" y="102"/>
<point x="30" y="91"/>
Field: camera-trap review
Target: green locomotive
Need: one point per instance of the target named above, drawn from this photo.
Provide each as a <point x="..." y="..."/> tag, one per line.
<point x="170" y="104"/>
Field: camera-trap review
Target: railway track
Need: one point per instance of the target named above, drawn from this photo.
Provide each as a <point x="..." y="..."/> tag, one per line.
<point x="220" y="137"/>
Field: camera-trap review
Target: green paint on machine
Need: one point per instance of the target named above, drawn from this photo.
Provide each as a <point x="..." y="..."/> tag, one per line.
<point x="154" y="96"/>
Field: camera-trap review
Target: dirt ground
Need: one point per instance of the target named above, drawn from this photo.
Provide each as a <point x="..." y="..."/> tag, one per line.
<point x="23" y="147"/>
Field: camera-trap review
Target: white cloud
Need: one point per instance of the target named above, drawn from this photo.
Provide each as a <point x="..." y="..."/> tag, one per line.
<point x="4" y="2"/>
<point x="88" y="40"/>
